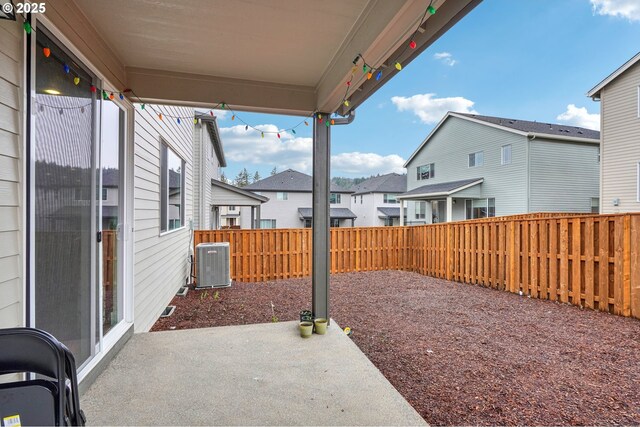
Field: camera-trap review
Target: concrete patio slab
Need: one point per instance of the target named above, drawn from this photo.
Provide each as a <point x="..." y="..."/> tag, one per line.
<point x="244" y="375"/>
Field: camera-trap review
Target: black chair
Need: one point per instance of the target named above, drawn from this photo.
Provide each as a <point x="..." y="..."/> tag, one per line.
<point x="51" y="398"/>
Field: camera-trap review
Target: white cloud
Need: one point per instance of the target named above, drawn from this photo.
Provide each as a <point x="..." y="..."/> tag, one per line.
<point x="629" y="9"/>
<point x="446" y="58"/>
<point x="580" y="117"/>
<point x="431" y="109"/>
<point x="249" y="148"/>
<point x="365" y="164"/>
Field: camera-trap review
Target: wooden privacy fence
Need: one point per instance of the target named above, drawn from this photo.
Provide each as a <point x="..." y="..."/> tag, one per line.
<point x="585" y="260"/>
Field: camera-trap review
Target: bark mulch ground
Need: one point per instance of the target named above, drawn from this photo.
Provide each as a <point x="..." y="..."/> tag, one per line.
<point x="460" y="354"/>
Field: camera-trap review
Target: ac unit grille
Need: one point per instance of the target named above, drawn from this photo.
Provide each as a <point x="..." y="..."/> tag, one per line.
<point x="213" y="261"/>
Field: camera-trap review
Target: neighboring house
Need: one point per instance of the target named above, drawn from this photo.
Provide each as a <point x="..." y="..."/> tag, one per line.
<point x="375" y="201"/>
<point x="216" y="204"/>
<point x="290" y="201"/>
<point x="473" y="166"/>
<point x="619" y="96"/>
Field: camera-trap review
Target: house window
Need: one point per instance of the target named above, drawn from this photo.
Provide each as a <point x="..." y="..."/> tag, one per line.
<point x="388" y="222"/>
<point x="334" y="198"/>
<point x="426" y="171"/>
<point x="335" y="222"/>
<point x="172" y="193"/>
<point x="595" y="205"/>
<point x="480" y="208"/>
<point x="476" y="159"/>
<point x="104" y="194"/>
<point x="354" y="199"/>
<point x="282" y="196"/>
<point x="506" y="155"/>
<point x="307" y="223"/>
<point x="267" y="223"/>
<point x="361" y="199"/>
<point x="232" y="208"/>
<point x="421" y="210"/>
<point x="390" y="198"/>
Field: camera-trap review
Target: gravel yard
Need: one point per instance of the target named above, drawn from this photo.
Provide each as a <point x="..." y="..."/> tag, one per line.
<point x="459" y="354"/>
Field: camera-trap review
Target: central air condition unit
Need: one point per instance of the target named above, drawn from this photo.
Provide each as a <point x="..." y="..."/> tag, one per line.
<point x="214" y="270"/>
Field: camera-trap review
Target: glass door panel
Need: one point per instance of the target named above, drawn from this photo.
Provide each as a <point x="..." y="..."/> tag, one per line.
<point x="64" y="198"/>
<point x="113" y="120"/>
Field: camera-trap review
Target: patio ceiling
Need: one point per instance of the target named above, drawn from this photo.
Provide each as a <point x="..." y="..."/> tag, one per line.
<point x="280" y="56"/>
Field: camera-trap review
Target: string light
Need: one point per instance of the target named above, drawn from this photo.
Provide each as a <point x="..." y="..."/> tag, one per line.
<point x="121" y="96"/>
<point x="46" y="52"/>
<point x="233" y="117"/>
<point x="160" y="116"/>
<point x="178" y="120"/>
<point x="76" y="81"/>
<point x="379" y="75"/>
<point x="111" y="96"/>
<point x="195" y="121"/>
<point x="412" y="44"/>
<point x="262" y="134"/>
<point x="66" y="69"/>
<point x="278" y="135"/>
<point x="346" y="103"/>
<point x="398" y="66"/>
<point x="246" y="127"/>
<point x="27" y="27"/>
<point x="93" y="88"/>
<point x="431" y="10"/>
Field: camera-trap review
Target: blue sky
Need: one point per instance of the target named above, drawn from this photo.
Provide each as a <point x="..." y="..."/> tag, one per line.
<point x="523" y="59"/>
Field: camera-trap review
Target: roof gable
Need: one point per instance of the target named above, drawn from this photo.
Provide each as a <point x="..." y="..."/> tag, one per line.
<point x="595" y="92"/>
<point x="389" y="183"/>
<point x="291" y="181"/>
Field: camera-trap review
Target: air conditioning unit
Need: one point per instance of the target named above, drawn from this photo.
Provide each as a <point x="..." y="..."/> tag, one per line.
<point x="214" y="270"/>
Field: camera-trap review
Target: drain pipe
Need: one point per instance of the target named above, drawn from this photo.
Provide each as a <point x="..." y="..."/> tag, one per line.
<point x="345" y="120"/>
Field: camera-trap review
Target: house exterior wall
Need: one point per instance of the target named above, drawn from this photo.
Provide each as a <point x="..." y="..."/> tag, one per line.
<point x="11" y="175"/>
<point x="206" y="166"/>
<point x="449" y="148"/>
<point x="160" y="265"/>
<point x="285" y="212"/>
<point x="620" y="136"/>
<point x="367" y="211"/>
<point x="564" y="176"/>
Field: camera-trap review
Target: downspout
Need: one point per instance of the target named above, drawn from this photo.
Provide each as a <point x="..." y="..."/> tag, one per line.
<point x="345" y="120"/>
<point x="530" y="138"/>
<point x="203" y="153"/>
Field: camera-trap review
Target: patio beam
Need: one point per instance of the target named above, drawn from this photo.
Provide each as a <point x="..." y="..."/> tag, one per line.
<point x="174" y="88"/>
<point x="320" y="219"/>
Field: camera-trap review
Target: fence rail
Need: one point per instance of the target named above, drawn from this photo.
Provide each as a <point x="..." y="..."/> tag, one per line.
<point x="585" y="260"/>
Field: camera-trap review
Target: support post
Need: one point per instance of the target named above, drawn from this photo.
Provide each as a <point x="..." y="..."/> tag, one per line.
<point x="449" y="209"/>
<point x="320" y="219"/>
<point x="401" y="212"/>
<point x="257" y="224"/>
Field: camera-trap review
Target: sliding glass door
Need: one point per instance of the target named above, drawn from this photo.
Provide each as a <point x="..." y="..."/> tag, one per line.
<point x="77" y="201"/>
<point x="64" y="197"/>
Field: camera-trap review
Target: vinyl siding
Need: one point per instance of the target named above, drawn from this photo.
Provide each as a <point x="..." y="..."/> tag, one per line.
<point x="160" y="261"/>
<point x="11" y="280"/>
<point x="564" y="176"/>
<point x="367" y="211"/>
<point x="449" y="148"/>
<point x="620" y="142"/>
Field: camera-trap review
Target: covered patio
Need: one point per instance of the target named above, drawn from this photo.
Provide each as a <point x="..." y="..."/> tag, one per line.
<point x="244" y="375"/>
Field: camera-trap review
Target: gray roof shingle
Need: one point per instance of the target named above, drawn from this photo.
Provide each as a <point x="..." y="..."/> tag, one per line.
<point x="390" y="212"/>
<point x="338" y="213"/>
<point x="443" y="187"/>
<point x="389" y="183"/>
<point x="290" y="180"/>
<point x="537" y="127"/>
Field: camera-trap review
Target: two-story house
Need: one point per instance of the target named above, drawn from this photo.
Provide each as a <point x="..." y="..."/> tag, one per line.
<point x="290" y="196"/>
<point x="619" y="96"/>
<point x="375" y="200"/>
<point x="472" y="166"/>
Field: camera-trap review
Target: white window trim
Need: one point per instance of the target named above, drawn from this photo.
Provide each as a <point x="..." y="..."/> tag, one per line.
<point x="183" y="219"/>
<point x="474" y="159"/>
<point x="638" y="110"/>
<point x="502" y="151"/>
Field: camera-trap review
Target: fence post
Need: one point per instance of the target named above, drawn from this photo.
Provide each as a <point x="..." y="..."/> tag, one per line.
<point x="449" y="253"/>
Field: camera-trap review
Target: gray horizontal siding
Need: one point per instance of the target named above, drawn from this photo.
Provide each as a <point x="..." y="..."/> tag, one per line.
<point x="620" y="142"/>
<point x="160" y="260"/>
<point x="564" y="176"/>
<point x="11" y="280"/>
<point x="449" y="148"/>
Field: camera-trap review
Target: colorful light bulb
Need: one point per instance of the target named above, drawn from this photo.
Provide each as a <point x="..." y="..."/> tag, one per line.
<point x="27" y="27"/>
<point x="306" y="123"/>
<point x="398" y="66"/>
<point x="346" y="103"/>
<point x="66" y="68"/>
<point x="195" y="121"/>
<point x="261" y="134"/>
<point x="76" y="81"/>
<point x="46" y="52"/>
<point x="121" y="97"/>
<point x="179" y="120"/>
<point x="412" y="44"/>
<point x="369" y="75"/>
<point x="379" y="75"/>
<point x="142" y="107"/>
<point x="93" y="88"/>
<point x="246" y="127"/>
<point x="233" y="117"/>
<point x="333" y="122"/>
<point x="327" y="123"/>
<point x="111" y="96"/>
<point x="431" y="10"/>
<point x="293" y="131"/>
<point x="160" y="116"/>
